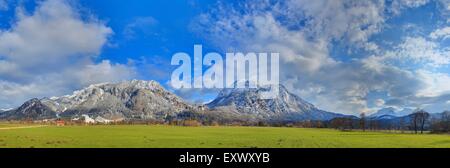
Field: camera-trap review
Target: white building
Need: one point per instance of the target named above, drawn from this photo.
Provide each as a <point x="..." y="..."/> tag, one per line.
<point x="88" y="119"/>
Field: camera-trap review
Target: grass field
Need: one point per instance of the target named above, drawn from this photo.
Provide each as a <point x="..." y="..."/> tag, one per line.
<point x="138" y="136"/>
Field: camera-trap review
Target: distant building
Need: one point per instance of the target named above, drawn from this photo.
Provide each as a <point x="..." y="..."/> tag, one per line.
<point x="88" y="119"/>
<point x="60" y="123"/>
<point x="102" y="120"/>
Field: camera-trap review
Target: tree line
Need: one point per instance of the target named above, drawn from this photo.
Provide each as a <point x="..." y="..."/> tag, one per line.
<point x="417" y="122"/>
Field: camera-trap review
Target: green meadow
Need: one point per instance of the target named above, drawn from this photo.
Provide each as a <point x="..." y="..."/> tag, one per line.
<point x="144" y="136"/>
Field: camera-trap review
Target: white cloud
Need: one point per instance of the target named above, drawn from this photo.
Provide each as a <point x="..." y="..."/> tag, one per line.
<point x="443" y="33"/>
<point x="436" y="83"/>
<point x="379" y="102"/>
<point x="419" y="50"/>
<point x="53" y="33"/>
<point x="399" y="5"/>
<point x="104" y="72"/>
<point x="411" y="3"/>
<point x="51" y="52"/>
<point x="350" y="21"/>
<point x="345" y="86"/>
<point x="431" y="87"/>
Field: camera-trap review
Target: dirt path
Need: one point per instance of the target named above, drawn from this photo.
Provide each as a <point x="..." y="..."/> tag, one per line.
<point x="22" y="127"/>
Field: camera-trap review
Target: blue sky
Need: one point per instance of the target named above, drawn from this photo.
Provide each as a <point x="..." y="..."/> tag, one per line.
<point x="343" y="56"/>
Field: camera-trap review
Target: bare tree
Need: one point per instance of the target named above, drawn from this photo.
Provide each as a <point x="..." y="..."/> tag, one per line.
<point x="342" y="123"/>
<point x="371" y="124"/>
<point x="415" y="119"/>
<point x="423" y="119"/>
<point x="446" y="121"/>
<point x="401" y="124"/>
<point x="441" y="125"/>
<point x="419" y="119"/>
<point x="362" y="121"/>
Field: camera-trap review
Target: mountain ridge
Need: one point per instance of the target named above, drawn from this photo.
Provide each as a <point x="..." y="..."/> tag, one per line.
<point x="285" y="106"/>
<point x="391" y="112"/>
<point x="125" y="100"/>
<point x="142" y="100"/>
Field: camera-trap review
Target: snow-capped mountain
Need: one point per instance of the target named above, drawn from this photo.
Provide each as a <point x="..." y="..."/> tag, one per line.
<point x="286" y="106"/>
<point x="404" y="112"/>
<point x="126" y="100"/>
<point x="7" y="109"/>
<point x="32" y="109"/>
<point x="389" y="111"/>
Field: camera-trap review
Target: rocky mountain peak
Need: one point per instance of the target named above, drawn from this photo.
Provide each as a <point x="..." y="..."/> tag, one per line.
<point x="31" y="109"/>
<point x="390" y="111"/>
<point x="249" y="101"/>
